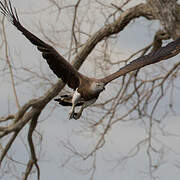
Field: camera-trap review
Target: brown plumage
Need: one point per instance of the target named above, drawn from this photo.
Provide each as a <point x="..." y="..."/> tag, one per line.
<point x="86" y="90"/>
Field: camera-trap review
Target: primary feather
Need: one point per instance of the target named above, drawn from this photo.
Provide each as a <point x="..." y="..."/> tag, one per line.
<point x="62" y="68"/>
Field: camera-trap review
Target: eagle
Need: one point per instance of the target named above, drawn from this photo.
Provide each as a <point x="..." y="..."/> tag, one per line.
<point x="86" y="90"/>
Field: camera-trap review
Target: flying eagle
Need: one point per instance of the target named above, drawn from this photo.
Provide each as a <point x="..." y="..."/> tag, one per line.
<point x="86" y="90"/>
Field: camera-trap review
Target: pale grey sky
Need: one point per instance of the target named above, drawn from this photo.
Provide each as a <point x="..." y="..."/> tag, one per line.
<point x="119" y="141"/>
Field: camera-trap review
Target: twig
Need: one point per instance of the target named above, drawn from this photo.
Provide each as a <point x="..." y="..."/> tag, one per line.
<point x="9" y="65"/>
<point x="33" y="160"/>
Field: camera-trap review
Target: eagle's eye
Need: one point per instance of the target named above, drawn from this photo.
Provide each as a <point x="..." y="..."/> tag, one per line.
<point x="100" y="86"/>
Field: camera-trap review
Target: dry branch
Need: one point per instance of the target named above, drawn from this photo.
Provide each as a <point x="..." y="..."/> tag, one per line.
<point x="141" y="10"/>
<point x="168" y="13"/>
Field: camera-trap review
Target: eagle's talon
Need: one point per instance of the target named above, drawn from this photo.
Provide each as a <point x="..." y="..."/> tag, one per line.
<point x="75" y="116"/>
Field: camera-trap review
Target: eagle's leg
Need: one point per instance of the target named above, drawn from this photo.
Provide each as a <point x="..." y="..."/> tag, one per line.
<point x="85" y="105"/>
<point x="76" y="97"/>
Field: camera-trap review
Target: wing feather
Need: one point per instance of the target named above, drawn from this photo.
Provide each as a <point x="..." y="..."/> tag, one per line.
<point x="62" y="68"/>
<point x="162" y="53"/>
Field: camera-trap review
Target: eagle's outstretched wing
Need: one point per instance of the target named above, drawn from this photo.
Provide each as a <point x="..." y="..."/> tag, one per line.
<point x="162" y="53"/>
<point x="62" y="68"/>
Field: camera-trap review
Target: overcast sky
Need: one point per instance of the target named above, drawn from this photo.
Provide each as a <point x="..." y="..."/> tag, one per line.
<point x="57" y="127"/>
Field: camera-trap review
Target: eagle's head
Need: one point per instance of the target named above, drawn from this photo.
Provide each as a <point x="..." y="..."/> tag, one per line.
<point x="98" y="86"/>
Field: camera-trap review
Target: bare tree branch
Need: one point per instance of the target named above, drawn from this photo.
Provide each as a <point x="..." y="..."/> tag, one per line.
<point x="33" y="160"/>
<point x="10" y="68"/>
<point x="108" y="30"/>
<point x="168" y="13"/>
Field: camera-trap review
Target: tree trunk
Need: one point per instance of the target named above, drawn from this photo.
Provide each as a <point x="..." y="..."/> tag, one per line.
<point x="168" y="13"/>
